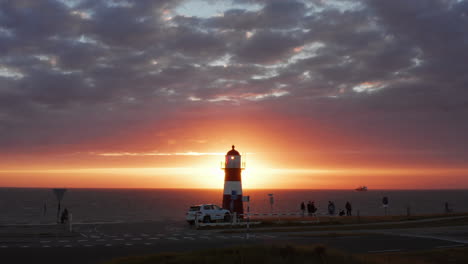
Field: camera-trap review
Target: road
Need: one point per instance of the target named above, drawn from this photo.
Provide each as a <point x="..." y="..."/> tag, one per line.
<point x="94" y="243"/>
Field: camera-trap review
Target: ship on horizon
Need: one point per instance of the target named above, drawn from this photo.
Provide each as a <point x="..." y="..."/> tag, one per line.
<point x="361" y="189"/>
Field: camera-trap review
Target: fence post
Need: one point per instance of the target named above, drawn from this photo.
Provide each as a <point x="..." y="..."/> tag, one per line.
<point x="70" y="222"/>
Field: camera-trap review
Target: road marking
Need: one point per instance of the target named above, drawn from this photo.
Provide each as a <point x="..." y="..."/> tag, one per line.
<point x="172" y="238"/>
<point x="63" y="241"/>
<point x="148" y="244"/>
<point x="93" y="236"/>
<point x="84" y="235"/>
<point x="82" y="240"/>
<point x="128" y="244"/>
<point x="205" y="237"/>
<point x="24" y="246"/>
<point x="119" y="239"/>
<point x="191" y="238"/>
<point x="68" y="246"/>
<point x="143" y="234"/>
<point x="88" y="245"/>
<point x="451" y="246"/>
<point x="237" y="236"/>
<point x="385" y="250"/>
<point x="101" y="240"/>
<point x="154" y="238"/>
<point x="136" y="238"/>
<point x="3" y="246"/>
<point x="108" y="245"/>
<point x="46" y="246"/>
<point x="45" y="241"/>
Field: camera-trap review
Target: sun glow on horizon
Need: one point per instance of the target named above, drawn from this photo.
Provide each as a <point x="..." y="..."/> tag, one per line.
<point x="212" y="177"/>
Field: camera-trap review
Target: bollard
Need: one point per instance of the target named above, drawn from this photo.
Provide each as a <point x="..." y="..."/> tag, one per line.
<point x="234" y="221"/>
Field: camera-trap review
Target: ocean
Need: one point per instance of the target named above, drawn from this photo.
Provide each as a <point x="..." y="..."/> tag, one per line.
<point x="35" y="205"/>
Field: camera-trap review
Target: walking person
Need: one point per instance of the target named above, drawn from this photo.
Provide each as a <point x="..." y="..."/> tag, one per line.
<point x="309" y="208"/>
<point x="348" y="208"/>
<point x="303" y="209"/>
<point x="313" y="208"/>
<point x="331" y="208"/>
<point x="64" y="217"/>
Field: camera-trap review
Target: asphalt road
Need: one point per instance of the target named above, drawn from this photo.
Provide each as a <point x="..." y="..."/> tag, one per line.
<point x="94" y="243"/>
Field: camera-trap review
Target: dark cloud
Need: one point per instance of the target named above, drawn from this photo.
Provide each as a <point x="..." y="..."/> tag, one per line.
<point x="375" y="69"/>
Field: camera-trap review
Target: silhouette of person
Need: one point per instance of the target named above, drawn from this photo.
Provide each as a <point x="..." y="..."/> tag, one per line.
<point x="313" y="209"/>
<point x="447" y="208"/>
<point x="331" y="208"/>
<point x="303" y="208"/>
<point x="64" y="217"/>
<point x="348" y="208"/>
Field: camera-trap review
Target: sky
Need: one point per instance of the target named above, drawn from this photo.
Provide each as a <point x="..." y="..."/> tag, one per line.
<point x="314" y="94"/>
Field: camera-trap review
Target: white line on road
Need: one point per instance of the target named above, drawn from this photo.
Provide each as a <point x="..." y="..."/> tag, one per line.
<point x="143" y="234"/>
<point x="24" y="246"/>
<point x="46" y="246"/>
<point x="128" y="244"/>
<point x="3" y="246"/>
<point x="451" y="246"/>
<point x="63" y="241"/>
<point x="119" y="239"/>
<point x="84" y="235"/>
<point x="154" y="238"/>
<point x="148" y="244"/>
<point x="172" y="238"/>
<point x="108" y="245"/>
<point x="68" y="246"/>
<point x="191" y="238"/>
<point x="385" y="250"/>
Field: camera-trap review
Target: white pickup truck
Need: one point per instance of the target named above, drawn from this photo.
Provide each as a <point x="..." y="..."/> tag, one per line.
<point x="207" y="213"/>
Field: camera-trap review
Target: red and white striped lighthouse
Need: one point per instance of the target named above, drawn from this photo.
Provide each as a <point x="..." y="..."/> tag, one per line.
<point x="232" y="196"/>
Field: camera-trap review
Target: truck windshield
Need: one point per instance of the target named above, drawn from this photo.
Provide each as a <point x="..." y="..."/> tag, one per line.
<point x="195" y="208"/>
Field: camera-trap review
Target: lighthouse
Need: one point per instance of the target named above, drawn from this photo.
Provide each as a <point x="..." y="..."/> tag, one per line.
<point x="232" y="195"/>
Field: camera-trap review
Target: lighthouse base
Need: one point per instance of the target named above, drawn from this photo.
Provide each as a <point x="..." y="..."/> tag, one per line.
<point x="234" y="206"/>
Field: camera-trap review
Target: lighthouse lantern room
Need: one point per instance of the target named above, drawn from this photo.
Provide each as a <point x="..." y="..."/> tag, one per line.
<point x="232" y="195"/>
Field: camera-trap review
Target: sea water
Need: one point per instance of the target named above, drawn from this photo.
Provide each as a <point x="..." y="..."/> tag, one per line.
<point x="31" y="205"/>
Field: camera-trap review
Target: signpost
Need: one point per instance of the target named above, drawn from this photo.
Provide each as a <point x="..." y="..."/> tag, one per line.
<point x="247" y="199"/>
<point x="59" y="193"/>
<point x="385" y="204"/>
<point x="233" y="198"/>
<point x="272" y="201"/>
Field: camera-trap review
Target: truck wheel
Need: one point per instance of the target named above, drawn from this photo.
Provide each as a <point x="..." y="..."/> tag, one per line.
<point x="206" y="219"/>
<point x="227" y="218"/>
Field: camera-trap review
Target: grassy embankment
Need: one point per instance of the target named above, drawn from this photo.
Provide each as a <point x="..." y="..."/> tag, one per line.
<point x="316" y="254"/>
